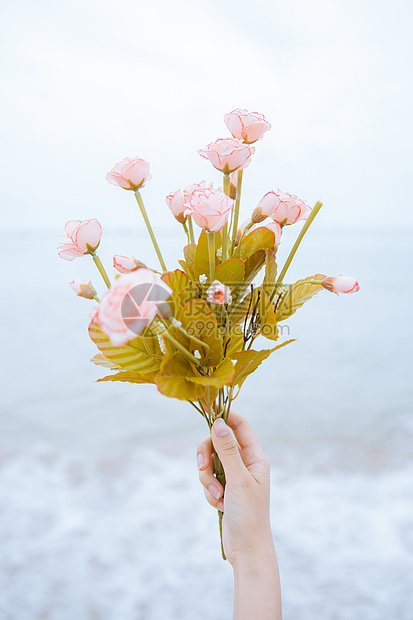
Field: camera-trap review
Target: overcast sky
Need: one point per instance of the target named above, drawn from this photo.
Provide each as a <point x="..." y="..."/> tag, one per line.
<point x="86" y="83"/>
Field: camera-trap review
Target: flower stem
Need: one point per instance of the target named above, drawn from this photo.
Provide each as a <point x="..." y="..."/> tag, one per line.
<point x="220" y="475"/>
<point x="211" y="250"/>
<point x="149" y="227"/>
<point x="236" y="209"/>
<point x="186" y="231"/>
<point x="96" y="298"/>
<point x="101" y="268"/>
<point x="304" y="229"/>
<point x="191" y="229"/>
<point x="225" y="229"/>
<point x="161" y="329"/>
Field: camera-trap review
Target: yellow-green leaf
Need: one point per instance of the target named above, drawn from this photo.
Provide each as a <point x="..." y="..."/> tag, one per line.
<point x="177" y="280"/>
<point x="141" y="355"/>
<point x="100" y="360"/>
<point x="253" y="265"/>
<point x="198" y="320"/>
<point x="201" y="263"/>
<point x="173" y="379"/>
<point x="189" y="255"/>
<point x="189" y="292"/>
<point x="234" y="341"/>
<point x="231" y="273"/>
<point x="270" y="277"/>
<point x="296" y="296"/>
<point x="130" y="377"/>
<point x="259" y="239"/>
<point x="247" y="363"/>
<point x="267" y="317"/>
<point x="221" y="376"/>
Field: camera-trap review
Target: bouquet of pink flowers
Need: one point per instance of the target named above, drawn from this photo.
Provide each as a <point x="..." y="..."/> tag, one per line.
<point x="192" y="331"/>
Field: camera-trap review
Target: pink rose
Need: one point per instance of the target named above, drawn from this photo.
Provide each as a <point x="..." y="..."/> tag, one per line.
<point x="126" y="264"/>
<point x="210" y="208"/>
<point x="218" y="293"/>
<point x="274" y="226"/>
<point x="83" y="238"/>
<point x="246" y="126"/>
<point x="341" y="284"/>
<point x="190" y="189"/>
<point x="83" y="288"/>
<point x="228" y="154"/>
<point x="130" y="305"/>
<point x="130" y="173"/>
<point x="176" y="203"/>
<point x="283" y="208"/>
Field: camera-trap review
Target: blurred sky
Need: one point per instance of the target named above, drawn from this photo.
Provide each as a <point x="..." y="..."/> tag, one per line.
<point x="86" y="83"/>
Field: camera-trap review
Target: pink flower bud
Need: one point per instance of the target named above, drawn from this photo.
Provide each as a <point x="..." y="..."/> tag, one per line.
<point x="131" y="304"/>
<point x="218" y="293"/>
<point x="126" y="264"/>
<point x="283" y="208"/>
<point x="340" y="284"/>
<point x="210" y="208"/>
<point x="228" y="154"/>
<point x="176" y="203"/>
<point x="130" y="173"/>
<point x="83" y="238"/>
<point x="83" y="288"/>
<point x="246" y="126"/>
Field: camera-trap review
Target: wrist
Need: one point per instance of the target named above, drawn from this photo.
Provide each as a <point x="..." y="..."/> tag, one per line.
<point x="257" y="559"/>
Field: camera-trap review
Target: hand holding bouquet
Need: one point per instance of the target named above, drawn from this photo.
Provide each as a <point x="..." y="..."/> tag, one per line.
<point x="192" y="331"/>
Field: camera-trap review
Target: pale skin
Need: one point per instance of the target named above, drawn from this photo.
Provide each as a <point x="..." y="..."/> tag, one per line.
<point x="246" y="529"/>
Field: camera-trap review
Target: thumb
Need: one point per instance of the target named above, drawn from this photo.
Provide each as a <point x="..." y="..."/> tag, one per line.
<point x="227" y="449"/>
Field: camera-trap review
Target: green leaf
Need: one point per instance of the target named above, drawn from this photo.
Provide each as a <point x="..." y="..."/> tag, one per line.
<point x="221" y="376"/>
<point x="259" y="239"/>
<point x="201" y="264"/>
<point x="296" y="296"/>
<point x="173" y="379"/>
<point x="141" y="355"/>
<point x="198" y="320"/>
<point x="130" y="377"/>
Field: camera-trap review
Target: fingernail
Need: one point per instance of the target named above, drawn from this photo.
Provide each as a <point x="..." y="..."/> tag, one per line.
<point x="220" y="428"/>
<point x="200" y="460"/>
<point x="220" y="506"/>
<point x="214" y="491"/>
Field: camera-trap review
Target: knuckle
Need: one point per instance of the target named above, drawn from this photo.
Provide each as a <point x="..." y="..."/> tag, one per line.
<point x="230" y="448"/>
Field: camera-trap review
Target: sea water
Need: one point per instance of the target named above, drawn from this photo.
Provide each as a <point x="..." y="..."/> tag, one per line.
<point x="101" y="513"/>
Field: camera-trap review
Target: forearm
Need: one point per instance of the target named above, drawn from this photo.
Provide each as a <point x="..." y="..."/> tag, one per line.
<point x="257" y="592"/>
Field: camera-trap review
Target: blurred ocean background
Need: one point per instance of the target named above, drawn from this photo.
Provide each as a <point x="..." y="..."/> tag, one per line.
<point x="102" y="516"/>
<point x="101" y="512"/>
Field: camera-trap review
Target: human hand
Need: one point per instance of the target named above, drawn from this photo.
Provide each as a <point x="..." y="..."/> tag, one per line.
<point x="246" y="529"/>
